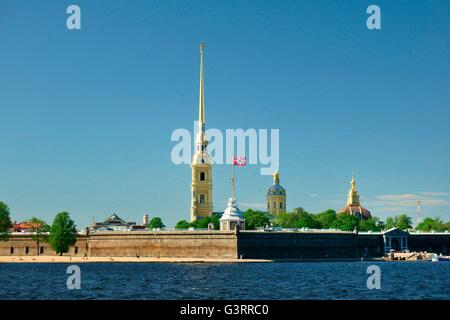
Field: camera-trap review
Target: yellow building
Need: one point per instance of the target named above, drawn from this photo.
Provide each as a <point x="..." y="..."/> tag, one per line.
<point x="353" y="205"/>
<point x="201" y="186"/>
<point x="276" y="196"/>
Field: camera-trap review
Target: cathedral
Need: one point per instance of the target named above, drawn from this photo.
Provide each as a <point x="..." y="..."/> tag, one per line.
<point x="201" y="185"/>
<point x="353" y="205"/>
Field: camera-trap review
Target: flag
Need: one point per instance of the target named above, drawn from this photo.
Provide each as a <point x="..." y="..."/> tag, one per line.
<point x="239" y="161"/>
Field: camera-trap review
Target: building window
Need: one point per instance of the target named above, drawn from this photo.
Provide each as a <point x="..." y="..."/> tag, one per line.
<point x="27" y="250"/>
<point x="274" y="205"/>
<point x="76" y="250"/>
<point x="202" y="176"/>
<point x="41" y="250"/>
<point x="11" y="251"/>
<point x="281" y="205"/>
<point x="202" y="199"/>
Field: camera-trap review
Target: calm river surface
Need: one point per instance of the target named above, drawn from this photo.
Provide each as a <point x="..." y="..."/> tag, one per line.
<point x="292" y="280"/>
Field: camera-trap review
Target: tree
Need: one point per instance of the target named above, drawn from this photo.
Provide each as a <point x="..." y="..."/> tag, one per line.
<point x="255" y="219"/>
<point x="215" y="220"/>
<point x="204" y="222"/>
<point x="40" y="230"/>
<point x="182" y="224"/>
<point x="156" y="223"/>
<point x="390" y="223"/>
<point x="304" y="219"/>
<point x="402" y="222"/>
<point x="326" y="219"/>
<point x="63" y="233"/>
<point x="430" y="224"/>
<point x="5" y="222"/>
<point x="299" y="218"/>
<point x="371" y="224"/>
<point x="346" y="222"/>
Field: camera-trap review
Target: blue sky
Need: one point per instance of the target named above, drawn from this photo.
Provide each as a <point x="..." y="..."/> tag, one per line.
<point x="87" y="116"/>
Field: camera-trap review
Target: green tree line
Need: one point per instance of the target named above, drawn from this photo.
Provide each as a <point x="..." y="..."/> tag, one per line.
<point x="328" y="219"/>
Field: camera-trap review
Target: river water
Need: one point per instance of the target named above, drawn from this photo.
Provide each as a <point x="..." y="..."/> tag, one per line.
<point x="291" y="280"/>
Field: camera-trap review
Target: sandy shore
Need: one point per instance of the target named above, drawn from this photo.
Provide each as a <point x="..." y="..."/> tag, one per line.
<point x="67" y="259"/>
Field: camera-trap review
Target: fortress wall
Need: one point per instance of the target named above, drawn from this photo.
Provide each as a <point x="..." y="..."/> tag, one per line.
<point x="229" y="245"/>
<point x="370" y="245"/>
<point x="438" y="243"/>
<point x="167" y="244"/>
<point x="18" y="243"/>
<point x="297" y="245"/>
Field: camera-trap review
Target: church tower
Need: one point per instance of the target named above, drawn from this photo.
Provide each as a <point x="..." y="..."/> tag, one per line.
<point x="276" y="196"/>
<point x="353" y="205"/>
<point x="201" y="186"/>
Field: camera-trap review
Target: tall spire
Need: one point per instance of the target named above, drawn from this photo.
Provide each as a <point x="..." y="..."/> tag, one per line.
<point x="201" y="102"/>
<point x="201" y="141"/>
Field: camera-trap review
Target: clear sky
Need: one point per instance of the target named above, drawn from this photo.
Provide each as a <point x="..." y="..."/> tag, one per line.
<point x="87" y="116"/>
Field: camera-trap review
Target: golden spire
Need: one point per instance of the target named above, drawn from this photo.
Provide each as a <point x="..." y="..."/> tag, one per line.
<point x="353" y="196"/>
<point x="201" y="103"/>
<point x="276" y="177"/>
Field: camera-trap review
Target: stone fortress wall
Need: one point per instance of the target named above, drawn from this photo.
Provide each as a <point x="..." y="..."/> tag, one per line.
<point x="227" y="245"/>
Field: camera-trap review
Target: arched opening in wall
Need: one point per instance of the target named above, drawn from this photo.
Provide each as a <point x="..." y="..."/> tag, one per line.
<point x="274" y="205"/>
<point x="202" y="176"/>
<point x="281" y="205"/>
<point x="27" y="250"/>
<point x="76" y="250"/>
<point x="11" y="250"/>
<point x="41" y="250"/>
<point x="202" y="199"/>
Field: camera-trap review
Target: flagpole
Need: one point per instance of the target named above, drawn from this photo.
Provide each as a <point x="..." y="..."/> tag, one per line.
<point x="232" y="180"/>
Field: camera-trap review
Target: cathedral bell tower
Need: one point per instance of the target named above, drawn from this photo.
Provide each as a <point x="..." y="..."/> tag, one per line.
<point x="201" y="186"/>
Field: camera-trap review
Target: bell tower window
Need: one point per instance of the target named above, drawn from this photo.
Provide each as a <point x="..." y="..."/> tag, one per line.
<point x="202" y="199"/>
<point x="202" y="176"/>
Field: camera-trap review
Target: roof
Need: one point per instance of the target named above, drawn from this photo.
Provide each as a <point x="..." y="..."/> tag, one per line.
<point x="232" y="212"/>
<point x="276" y="189"/>
<point x="357" y="210"/>
<point x="113" y="220"/>
<point x="26" y="225"/>
<point x="396" y="231"/>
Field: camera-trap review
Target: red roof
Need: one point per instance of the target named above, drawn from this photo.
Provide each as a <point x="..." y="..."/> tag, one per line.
<point x="25" y="226"/>
<point x="357" y="211"/>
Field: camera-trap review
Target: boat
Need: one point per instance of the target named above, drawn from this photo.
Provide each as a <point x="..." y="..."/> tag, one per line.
<point x="440" y="258"/>
<point x="443" y="258"/>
